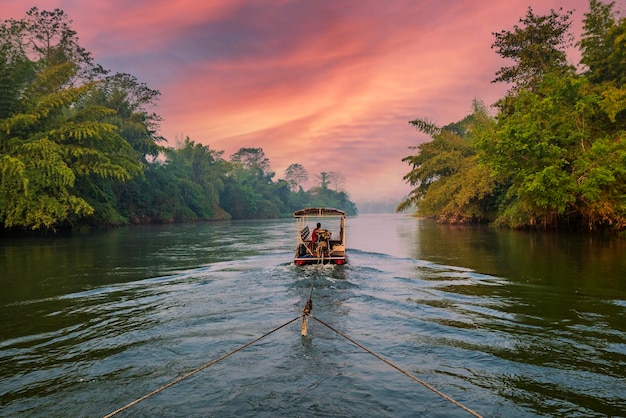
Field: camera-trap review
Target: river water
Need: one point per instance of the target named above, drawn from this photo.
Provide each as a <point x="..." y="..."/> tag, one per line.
<point x="505" y="323"/>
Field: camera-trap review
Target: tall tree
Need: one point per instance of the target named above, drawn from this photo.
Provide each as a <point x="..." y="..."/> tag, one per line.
<point x="203" y="166"/>
<point x="253" y="159"/>
<point x="47" y="37"/>
<point x="603" y="44"/>
<point x="336" y="179"/>
<point x="130" y="99"/>
<point x="450" y="181"/>
<point x="52" y="136"/>
<point x="78" y="145"/>
<point x="331" y="180"/>
<point x="51" y="143"/>
<point x="536" y="47"/>
<point x="295" y="176"/>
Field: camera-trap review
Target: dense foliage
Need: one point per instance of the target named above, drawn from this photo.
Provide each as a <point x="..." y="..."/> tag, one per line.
<point x="78" y="147"/>
<point x="555" y="153"/>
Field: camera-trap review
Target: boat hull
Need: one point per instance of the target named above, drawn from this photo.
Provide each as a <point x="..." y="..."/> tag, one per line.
<point x="304" y="261"/>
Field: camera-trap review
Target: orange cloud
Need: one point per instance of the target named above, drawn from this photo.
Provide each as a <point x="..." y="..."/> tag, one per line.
<point x="327" y="84"/>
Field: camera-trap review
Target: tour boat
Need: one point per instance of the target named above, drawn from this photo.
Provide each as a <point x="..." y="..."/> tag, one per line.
<point x="325" y="244"/>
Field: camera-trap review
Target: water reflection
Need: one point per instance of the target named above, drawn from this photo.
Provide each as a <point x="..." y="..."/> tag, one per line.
<point x="577" y="262"/>
<point x="511" y="323"/>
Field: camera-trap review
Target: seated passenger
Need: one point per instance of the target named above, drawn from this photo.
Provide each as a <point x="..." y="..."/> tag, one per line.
<point x="314" y="235"/>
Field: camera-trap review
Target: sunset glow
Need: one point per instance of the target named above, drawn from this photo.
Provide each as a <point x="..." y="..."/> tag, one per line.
<point x="328" y="84"/>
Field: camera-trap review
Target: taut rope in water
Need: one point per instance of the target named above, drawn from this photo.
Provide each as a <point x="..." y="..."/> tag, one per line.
<point x="307" y="308"/>
<point x="306" y="312"/>
<point x="421" y="382"/>
<point x="199" y="369"/>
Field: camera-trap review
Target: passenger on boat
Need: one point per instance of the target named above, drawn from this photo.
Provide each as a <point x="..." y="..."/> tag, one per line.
<point x="314" y="235"/>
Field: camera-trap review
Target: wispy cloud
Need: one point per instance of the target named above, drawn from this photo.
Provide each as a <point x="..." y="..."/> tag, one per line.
<point x="330" y="84"/>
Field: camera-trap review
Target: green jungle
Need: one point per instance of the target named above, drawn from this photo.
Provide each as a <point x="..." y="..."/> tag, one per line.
<point x="79" y="147"/>
<point x="554" y="154"/>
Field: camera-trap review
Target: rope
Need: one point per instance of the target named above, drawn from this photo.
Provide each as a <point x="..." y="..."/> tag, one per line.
<point x="199" y="369"/>
<point x="308" y="307"/>
<point x="305" y="313"/>
<point x="421" y="382"/>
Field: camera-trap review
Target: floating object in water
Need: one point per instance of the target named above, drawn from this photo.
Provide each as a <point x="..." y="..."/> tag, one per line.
<point x="305" y="313"/>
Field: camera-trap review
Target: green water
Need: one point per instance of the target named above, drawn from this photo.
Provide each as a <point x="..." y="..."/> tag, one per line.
<point x="507" y="323"/>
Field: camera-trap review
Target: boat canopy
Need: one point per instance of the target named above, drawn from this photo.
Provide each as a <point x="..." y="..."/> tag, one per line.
<point x="318" y="212"/>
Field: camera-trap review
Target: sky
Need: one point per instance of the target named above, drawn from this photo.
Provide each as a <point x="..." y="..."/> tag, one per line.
<point x="328" y="84"/>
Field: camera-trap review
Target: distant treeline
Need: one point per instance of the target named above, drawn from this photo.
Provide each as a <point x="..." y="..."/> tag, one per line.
<point x="554" y="155"/>
<point x="378" y="206"/>
<point x="78" y="147"/>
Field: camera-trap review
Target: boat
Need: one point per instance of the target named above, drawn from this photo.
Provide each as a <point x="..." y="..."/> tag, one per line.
<point x="320" y="236"/>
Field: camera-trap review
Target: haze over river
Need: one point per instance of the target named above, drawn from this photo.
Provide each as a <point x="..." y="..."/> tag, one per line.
<point x="507" y="323"/>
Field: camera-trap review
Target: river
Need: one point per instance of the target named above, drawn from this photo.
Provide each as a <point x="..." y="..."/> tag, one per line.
<point x="504" y="323"/>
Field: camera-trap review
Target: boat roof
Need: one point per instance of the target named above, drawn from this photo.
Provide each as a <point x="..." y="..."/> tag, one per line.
<point x="318" y="212"/>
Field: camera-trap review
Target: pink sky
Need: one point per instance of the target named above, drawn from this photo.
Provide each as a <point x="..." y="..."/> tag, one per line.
<point x="329" y="84"/>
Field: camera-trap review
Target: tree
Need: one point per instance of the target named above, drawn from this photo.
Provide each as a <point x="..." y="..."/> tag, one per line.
<point x="450" y="182"/>
<point x="561" y="156"/>
<point x="203" y="167"/>
<point x="253" y="159"/>
<point x="603" y="44"/>
<point x="53" y="142"/>
<point x="550" y="125"/>
<point x="53" y="137"/>
<point x="46" y="37"/>
<point x="336" y="180"/>
<point x="16" y="72"/>
<point x="79" y="147"/>
<point x="295" y="176"/>
<point x="130" y="99"/>
<point x="248" y="191"/>
<point x="536" y="48"/>
<point x="323" y="179"/>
